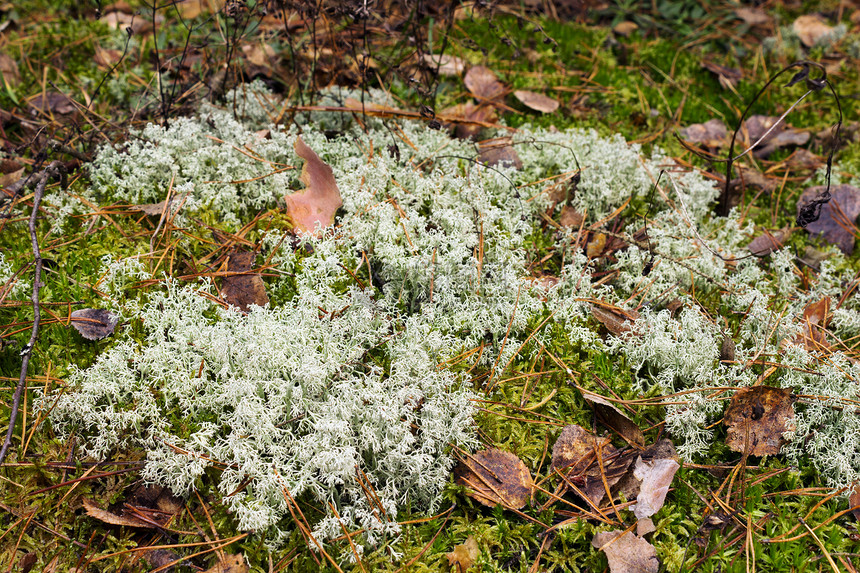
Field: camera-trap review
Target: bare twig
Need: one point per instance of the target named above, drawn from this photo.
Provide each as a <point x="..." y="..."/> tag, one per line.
<point x="41" y="180"/>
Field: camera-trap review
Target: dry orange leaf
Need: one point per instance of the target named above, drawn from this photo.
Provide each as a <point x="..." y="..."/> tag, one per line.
<point x="536" y="101"/>
<point x="316" y="205"/>
<point x="496" y="477"/>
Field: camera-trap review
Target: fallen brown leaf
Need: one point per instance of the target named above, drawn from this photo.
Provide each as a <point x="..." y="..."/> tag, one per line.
<point x="159" y="209"/>
<point x="469" y="112"/>
<point x="499" y="152"/>
<point x="496" y="477"/>
<point x="611" y="417"/>
<point x="837" y="222"/>
<point x="463" y="556"/>
<point x="810" y="29"/>
<point x="757" y="418"/>
<point x="53" y="102"/>
<point x="616" y="320"/>
<point x="570" y="218"/>
<point x="483" y="83"/>
<point x="711" y="134"/>
<point x="586" y="460"/>
<point x="576" y="449"/>
<point x="769" y="241"/>
<point x="536" y="101"/>
<point x="245" y="289"/>
<point x="10" y="171"/>
<point x="318" y="203"/>
<point x="94" y="323"/>
<point x="626" y="552"/>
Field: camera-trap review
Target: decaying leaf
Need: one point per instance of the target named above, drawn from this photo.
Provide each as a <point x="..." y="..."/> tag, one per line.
<point x="93" y="510"/>
<point x="616" y="320"/>
<point x="445" y="64"/>
<point x="751" y="177"/>
<point x="816" y="317"/>
<point x="471" y="117"/>
<point x="810" y="29"/>
<point x="317" y="204"/>
<point x="463" y="555"/>
<point x="611" y="417"/>
<point x="52" y="102"/>
<point x="778" y="134"/>
<point x="712" y="133"/>
<point x="655" y="476"/>
<point x="94" y="323"/>
<point x="837" y="221"/>
<point x="10" y="171"/>
<point x="483" y="83"/>
<point x="229" y="564"/>
<point x="727" y="349"/>
<point x="499" y="152"/>
<point x="161" y="558"/>
<point x="536" y="101"/>
<point x="595" y="245"/>
<point x="769" y="241"/>
<point x="243" y="290"/>
<point x="496" y="477"/>
<point x="626" y="552"/>
<point x="757" y="418"/>
<point x="586" y="460"/>
<point x="576" y="449"/>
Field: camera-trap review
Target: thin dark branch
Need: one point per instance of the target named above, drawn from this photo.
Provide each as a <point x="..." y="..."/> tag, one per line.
<point x="52" y="170"/>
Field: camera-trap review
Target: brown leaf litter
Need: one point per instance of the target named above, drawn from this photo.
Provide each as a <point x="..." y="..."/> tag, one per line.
<point x="757" y="418"/>
<point x="495" y="477"/>
<point x="94" y="323"/>
<point x="245" y="288"/>
<point x="837" y="222"/>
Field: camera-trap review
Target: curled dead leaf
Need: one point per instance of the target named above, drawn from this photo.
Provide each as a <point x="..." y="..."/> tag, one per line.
<point x="586" y="461"/>
<point x="757" y="418"/>
<point x="536" y="101"/>
<point x="317" y="204"/>
<point x="496" y="477"/>
<point x="94" y="323"/>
